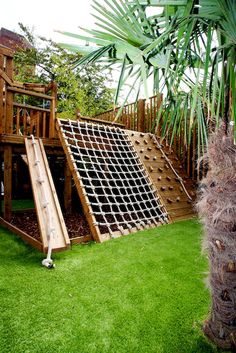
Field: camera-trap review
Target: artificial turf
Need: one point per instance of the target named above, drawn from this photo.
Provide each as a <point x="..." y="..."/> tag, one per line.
<point x="143" y="293"/>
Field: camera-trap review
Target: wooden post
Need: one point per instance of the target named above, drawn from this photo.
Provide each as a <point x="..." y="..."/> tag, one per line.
<point x="157" y="108"/>
<point x="1" y="95"/>
<point x="7" y="183"/>
<point x="141" y="115"/>
<point x="9" y="98"/>
<point x="1" y="181"/>
<point x="67" y="188"/>
<point x="53" y="111"/>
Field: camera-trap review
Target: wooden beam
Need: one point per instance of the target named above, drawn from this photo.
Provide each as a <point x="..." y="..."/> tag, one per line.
<point x="100" y="121"/>
<point x="1" y="96"/>
<point x="52" y="119"/>
<point x="6" y="78"/>
<point x="7" y="183"/>
<point x="33" y="107"/>
<point x="29" y="93"/>
<point x="141" y="115"/>
<point x="67" y="188"/>
<point x="1" y="181"/>
<point x="83" y="239"/>
<point x="9" y="98"/>
<point x="6" y="51"/>
<point x="26" y="237"/>
<point x="17" y="139"/>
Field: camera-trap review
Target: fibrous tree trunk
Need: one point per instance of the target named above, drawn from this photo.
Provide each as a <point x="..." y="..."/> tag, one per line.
<point x="217" y="208"/>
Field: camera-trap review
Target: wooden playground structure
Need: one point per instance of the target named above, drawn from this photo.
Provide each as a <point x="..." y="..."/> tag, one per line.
<point x="126" y="178"/>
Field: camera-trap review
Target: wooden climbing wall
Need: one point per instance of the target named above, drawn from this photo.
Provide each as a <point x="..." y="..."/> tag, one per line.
<point x="167" y="174"/>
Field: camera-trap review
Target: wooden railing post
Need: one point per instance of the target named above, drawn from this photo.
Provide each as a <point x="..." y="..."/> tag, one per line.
<point x="9" y="97"/>
<point x="1" y="94"/>
<point x="1" y="183"/>
<point x="67" y="188"/>
<point x="53" y="110"/>
<point x="7" y="182"/>
<point x="141" y="115"/>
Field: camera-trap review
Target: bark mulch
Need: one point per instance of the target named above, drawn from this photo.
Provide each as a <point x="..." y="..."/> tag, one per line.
<point x="26" y="221"/>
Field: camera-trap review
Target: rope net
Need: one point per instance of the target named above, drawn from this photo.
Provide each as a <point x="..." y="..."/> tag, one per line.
<point x="113" y="178"/>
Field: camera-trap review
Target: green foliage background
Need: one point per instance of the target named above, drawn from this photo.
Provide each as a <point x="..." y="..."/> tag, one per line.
<point x="85" y="90"/>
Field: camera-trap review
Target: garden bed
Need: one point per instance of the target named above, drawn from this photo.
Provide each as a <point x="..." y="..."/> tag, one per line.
<point x="26" y="221"/>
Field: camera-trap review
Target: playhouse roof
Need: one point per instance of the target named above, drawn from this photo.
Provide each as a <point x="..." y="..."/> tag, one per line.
<point x="13" y="40"/>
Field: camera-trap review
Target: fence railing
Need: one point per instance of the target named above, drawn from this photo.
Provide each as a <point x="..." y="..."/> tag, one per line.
<point x="25" y="108"/>
<point x="138" y="116"/>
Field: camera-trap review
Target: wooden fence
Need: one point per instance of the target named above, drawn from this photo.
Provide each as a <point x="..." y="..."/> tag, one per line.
<point x="25" y="108"/>
<point x="141" y="116"/>
<point x="138" y="116"/>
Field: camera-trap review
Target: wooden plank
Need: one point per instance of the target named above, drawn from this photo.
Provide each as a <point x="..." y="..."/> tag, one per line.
<point x="30" y="93"/>
<point x="25" y="122"/>
<point x="1" y="183"/>
<point x="6" y="78"/>
<point x="17" y="139"/>
<point x="44" y="124"/>
<point x="52" y="119"/>
<point x="141" y="115"/>
<point x="32" y="107"/>
<point x="181" y="212"/>
<point x="18" y="121"/>
<point x="1" y="96"/>
<point x="95" y="120"/>
<point x="9" y="99"/>
<point x="7" y="183"/>
<point x="185" y="217"/>
<point x="6" y="51"/>
<point x="79" y="240"/>
<point x="67" y="188"/>
<point x="118" y="234"/>
<point x="38" y="124"/>
<point x="32" y="86"/>
<point x="24" y="236"/>
<point x="45" y="192"/>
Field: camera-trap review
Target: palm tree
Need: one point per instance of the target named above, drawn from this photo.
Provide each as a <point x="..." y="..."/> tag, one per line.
<point x="189" y="49"/>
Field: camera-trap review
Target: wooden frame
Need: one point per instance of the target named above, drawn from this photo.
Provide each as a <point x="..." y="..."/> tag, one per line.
<point x="14" y="127"/>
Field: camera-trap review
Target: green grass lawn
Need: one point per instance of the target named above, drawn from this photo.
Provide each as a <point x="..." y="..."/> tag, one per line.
<point x="19" y="205"/>
<point x="143" y="293"/>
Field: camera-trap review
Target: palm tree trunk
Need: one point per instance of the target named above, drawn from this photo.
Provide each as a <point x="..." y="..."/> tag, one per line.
<point x="217" y="208"/>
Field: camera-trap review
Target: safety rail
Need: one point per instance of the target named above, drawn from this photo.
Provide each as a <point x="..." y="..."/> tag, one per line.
<point x="138" y="116"/>
<point x="25" y="108"/>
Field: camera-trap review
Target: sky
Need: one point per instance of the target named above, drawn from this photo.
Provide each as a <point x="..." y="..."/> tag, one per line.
<point x="46" y="16"/>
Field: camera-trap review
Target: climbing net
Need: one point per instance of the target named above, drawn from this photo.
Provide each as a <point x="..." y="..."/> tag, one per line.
<point x="113" y="178"/>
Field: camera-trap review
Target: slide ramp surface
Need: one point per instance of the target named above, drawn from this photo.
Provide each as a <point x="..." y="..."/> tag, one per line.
<point x="50" y="218"/>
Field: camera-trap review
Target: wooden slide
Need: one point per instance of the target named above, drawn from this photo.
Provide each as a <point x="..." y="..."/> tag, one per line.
<point x="51" y="222"/>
